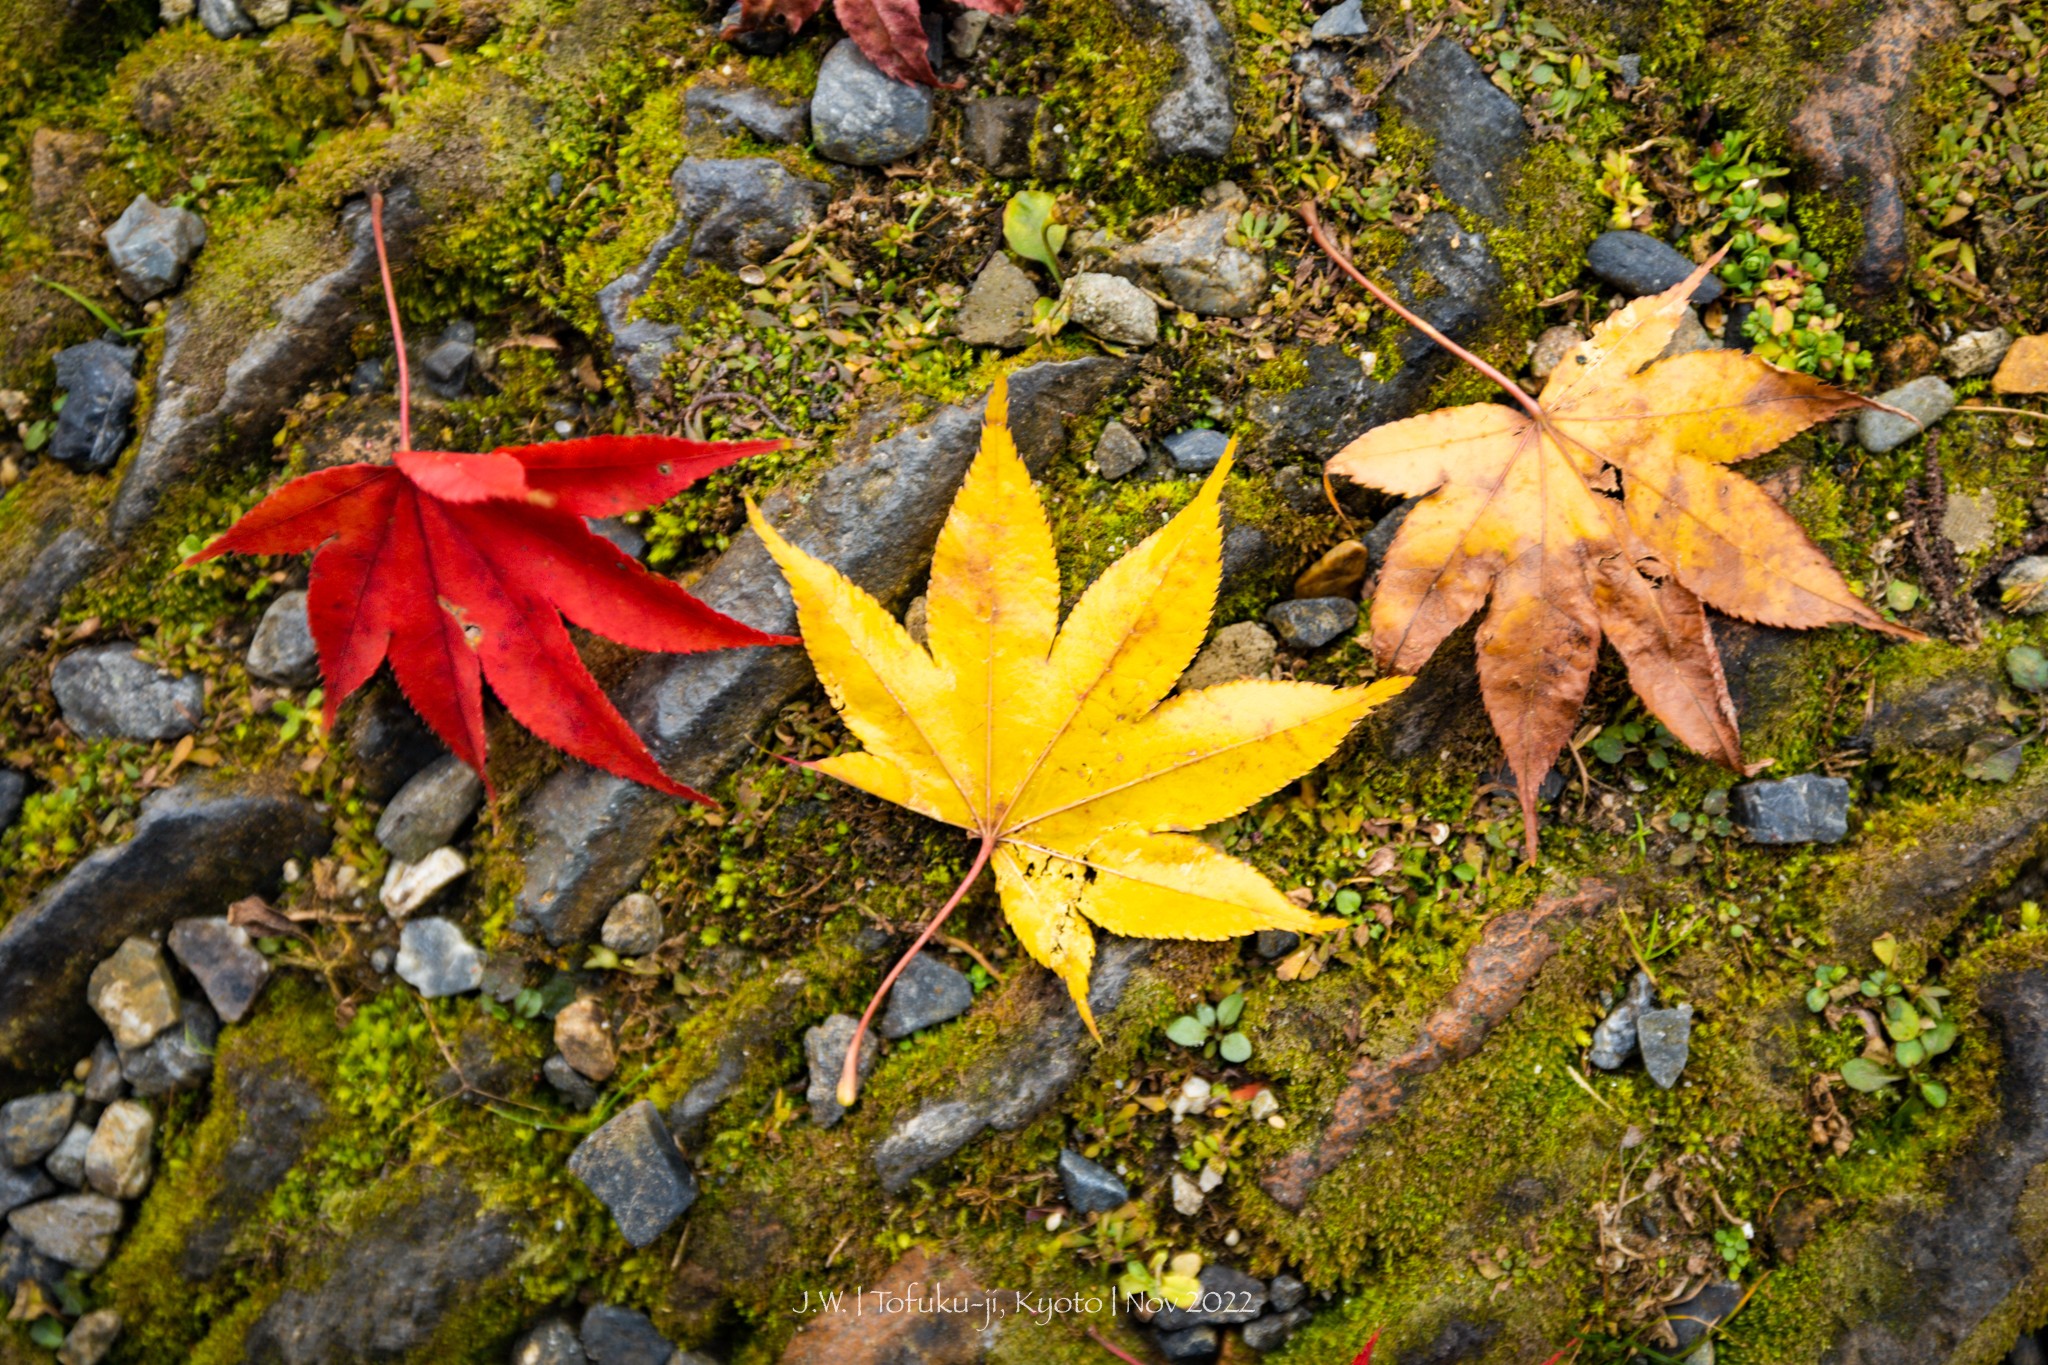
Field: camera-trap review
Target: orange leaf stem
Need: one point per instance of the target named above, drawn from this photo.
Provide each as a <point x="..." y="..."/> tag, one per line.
<point x="397" y="332"/>
<point x="1119" y="1352"/>
<point x="849" y="1075"/>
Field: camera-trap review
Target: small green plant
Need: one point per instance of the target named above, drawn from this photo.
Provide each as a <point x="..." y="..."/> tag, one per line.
<point x="1212" y="1028"/>
<point x="1171" y="1279"/>
<point x="1031" y="227"/>
<point x="1733" y="1244"/>
<point x="1630" y="198"/>
<point x="1259" y="231"/>
<point x="1907" y="1027"/>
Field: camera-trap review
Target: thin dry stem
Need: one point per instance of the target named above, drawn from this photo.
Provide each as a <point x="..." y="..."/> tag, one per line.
<point x="1119" y="1352"/>
<point x="849" y="1074"/>
<point x="397" y="331"/>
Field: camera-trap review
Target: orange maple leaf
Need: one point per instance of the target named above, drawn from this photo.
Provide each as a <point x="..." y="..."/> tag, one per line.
<point x="1604" y="508"/>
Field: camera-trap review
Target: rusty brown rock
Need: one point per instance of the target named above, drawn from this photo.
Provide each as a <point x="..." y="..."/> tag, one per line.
<point x="1339" y="573"/>
<point x="2025" y="368"/>
<point x="1499" y="971"/>
<point x="898" y="1323"/>
<point x="1851" y="129"/>
<point x="584" y="1038"/>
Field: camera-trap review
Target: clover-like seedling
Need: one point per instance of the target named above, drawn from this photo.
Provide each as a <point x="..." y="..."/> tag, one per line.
<point x="1200" y="1030"/>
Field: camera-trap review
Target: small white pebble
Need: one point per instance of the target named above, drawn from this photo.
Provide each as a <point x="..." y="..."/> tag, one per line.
<point x="1231" y="1239"/>
<point x="1276" y="1122"/>
<point x="1052" y="1224"/>
<point x="291" y="871"/>
<point x="563" y="428"/>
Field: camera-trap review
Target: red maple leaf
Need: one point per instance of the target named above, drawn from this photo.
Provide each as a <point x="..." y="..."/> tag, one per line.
<point x="460" y="568"/>
<point x="890" y="32"/>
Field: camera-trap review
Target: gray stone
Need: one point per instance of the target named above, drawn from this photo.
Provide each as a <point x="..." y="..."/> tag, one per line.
<point x="152" y="247"/>
<point x="77" y="1229"/>
<point x="1090" y="1188"/>
<point x="1449" y="276"/>
<point x="1229" y="1297"/>
<point x="436" y="960"/>
<point x="224" y="963"/>
<point x="740" y="108"/>
<point x="134" y="993"/>
<point x="179" y="1058"/>
<point x="1112" y="308"/>
<point x="860" y="117"/>
<point x="1614" y="1039"/>
<point x="449" y="364"/>
<point x="1017" y="1083"/>
<point x="1118" y="452"/>
<point x="1346" y="20"/>
<point x="1693" y="1318"/>
<point x="90" y="1338"/>
<point x="1188" y="1343"/>
<point x="1975" y="353"/>
<point x="1196" y="450"/>
<point x="633" y="927"/>
<point x="963" y="35"/>
<point x="1806" y="809"/>
<point x="1691" y="335"/>
<point x="430" y="810"/>
<point x="387" y="743"/>
<point x="1273" y="944"/>
<point x="1331" y="98"/>
<point x="224" y="18"/>
<point x="283" y="650"/>
<point x="121" y="1158"/>
<point x="998" y="309"/>
<point x="1476" y="126"/>
<point x="203" y="842"/>
<point x="1243" y="650"/>
<point x="1939" y="714"/>
<point x="1285" y="1293"/>
<point x="621" y="1336"/>
<point x="267" y="13"/>
<point x="825" y="1051"/>
<point x="225" y="395"/>
<point x="636" y="1171"/>
<point x="103" y="1081"/>
<point x="1311" y="622"/>
<point x="1665" y="1037"/>
<point x="390" y="1284"/>
<point x="21" y="1185"/>
<point x="32" y="1126"/>
<point x="13" y="791"/>
<point x="730" y="213"/>
<point x="2023" y="587"/>
<point x="551" y="1343"/>
<point x="1637" y="264"/>
<point x="927" y="993"/>
<point x="1274" y="1330"/>
<point x="1630" y="68"/>
<point x="66" y="1162"/>
<point x="98" y="380"/>
<point x="109" y="692"/>
<point x="1193" y="263"/>
<point x="1970" y="520"/>
<point x="998" y="133"/>
<point x="621" y="533"/>
<point x="1195" y="117"/>
<point x="568" y="1082"/>
<point x="369" y="377"/>
<point x="874" y="514"/>
<point x="1927" y="400"/>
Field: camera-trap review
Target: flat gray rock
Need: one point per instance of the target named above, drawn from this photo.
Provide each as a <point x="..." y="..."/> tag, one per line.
<point x="66" y="1163"/>
<point x="436" y="960"/>
<point x="430" y="809"/>
<point x="1665" y="1037"/>
<point x="223" y="961"/>
<point x="1806" y="809"/>
<point x="32" y="1126"/>
<point x="1196" y="450"/>
<point x="1090" y="1188"/>
<point x="282" y="650"/>
<point x="1637" y="264"/>
<point x="1975" y="353"/>
<point x="1193" y="263"/>
<point x="636" y="1171"/>
<point x="153" y="246"/>
<point x="108" y="692"/>
<point x="1118" y="452"/>
<point x="134" y="993"/>
<point x="1614" y="1038"/>
<point x="747" y="108"/>
<point x="21" y="1185"/>
<point x="1196" y="116"/>
<point x="998" y="310"/>
<point x="98" y="380"/>
<point x="1112" y="308"/>
<point x="927" y="993"/>
<point x="622" y="1336"/>
<point x="179" y="1058"/>
<point x="1477" y="127"/>
<point x="861" y="117"/>
<point x="1311" y="622"/>
<point x="1927" y="399"/>
<point x="77" y="1229"/>
<point x="825" y="1051"/>
<point x="1346" y="20"/>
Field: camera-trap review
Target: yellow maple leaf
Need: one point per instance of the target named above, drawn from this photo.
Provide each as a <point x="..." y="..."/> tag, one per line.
<point x="1059" y="747"/>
